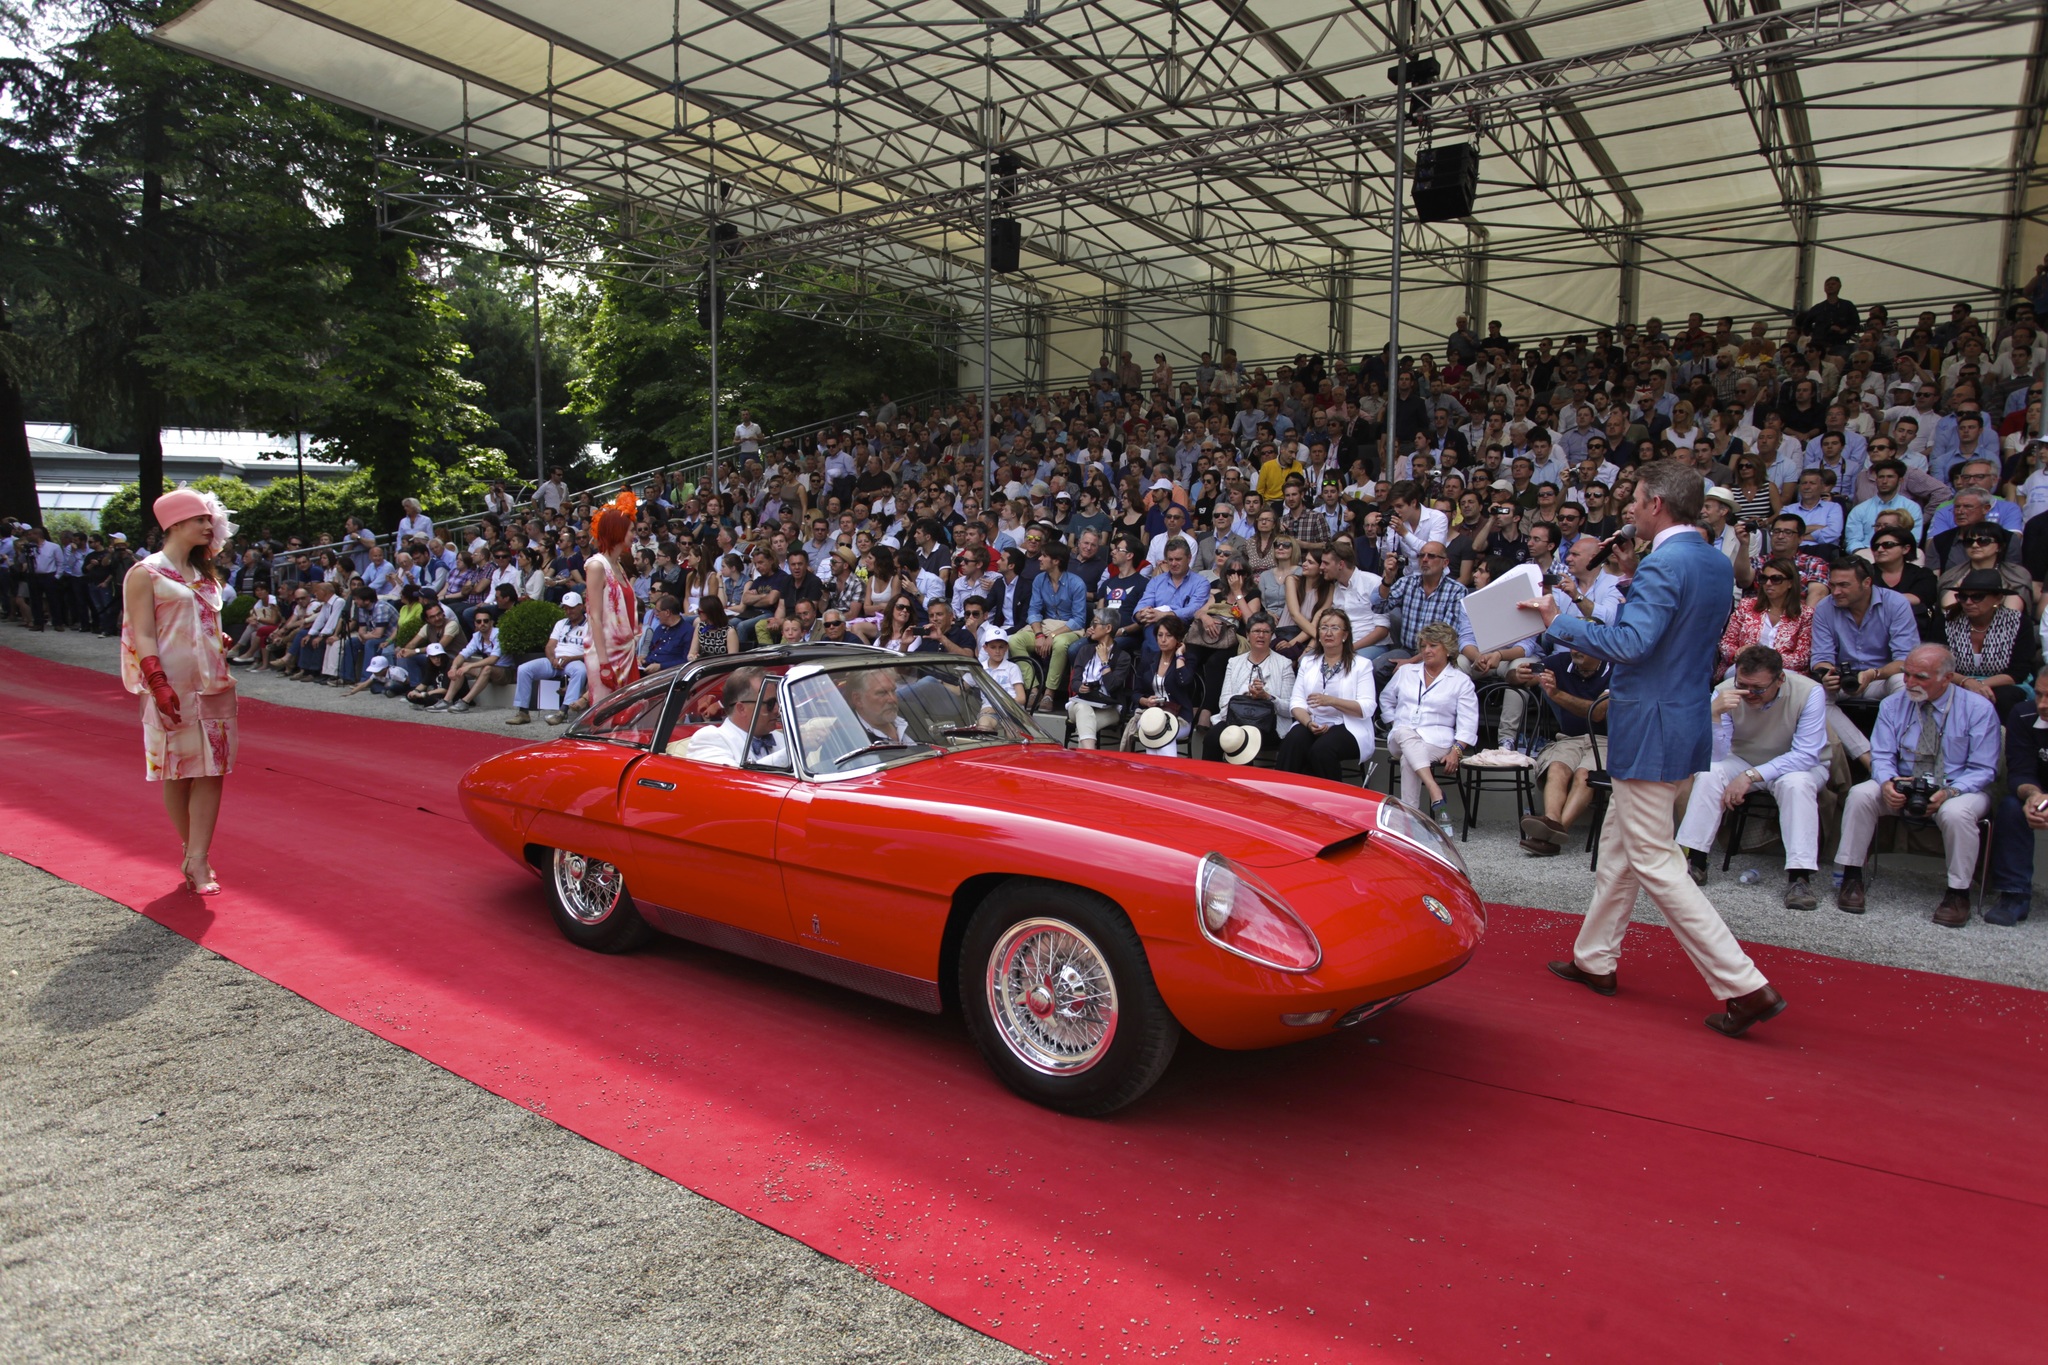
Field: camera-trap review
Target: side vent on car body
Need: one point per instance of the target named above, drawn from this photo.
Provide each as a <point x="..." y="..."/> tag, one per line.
<point x="1343" y="846"/>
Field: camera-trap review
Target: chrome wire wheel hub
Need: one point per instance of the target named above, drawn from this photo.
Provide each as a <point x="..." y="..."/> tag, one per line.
<point x="1051" y="994"/>
<point x="590" y="889"/>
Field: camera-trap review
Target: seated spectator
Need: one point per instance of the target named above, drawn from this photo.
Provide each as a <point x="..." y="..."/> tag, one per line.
<point x="1820" y="514"/>
<point x="1893" y="566"/>
<point x="1887" y="476"/>
<point x="751" y="733"/>
<point x="2024" y="809"/>
<point x="1425" y="596"/>
<point x="562" y="660"/>
<point x="1770" y="733"/>
<point x="1861" y="636"/>
<point x="1055" y="618"/>
<point x="714" y="635"/>
<point x="1995" y="647"/>
<point x="1573" y="685"/>
<point x="995" y="661"/>
<point x="1258" y="687"/>
<point x="1982" y="550"/>
<point x="672" y="635"/>
<point x="1432" y="713"/>
<point x="1169" y="682"/>
<point x="479" y="665"/>
<point x="1934" y="742"/>
<point x="1776" y="617"/>
<point x="1787" y="530"/>
<point x="370" y="625"/>
<point x="1332" y="703"/>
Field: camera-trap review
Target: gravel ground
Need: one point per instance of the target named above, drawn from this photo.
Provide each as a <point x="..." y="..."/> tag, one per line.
<point x="198" y="1165"/>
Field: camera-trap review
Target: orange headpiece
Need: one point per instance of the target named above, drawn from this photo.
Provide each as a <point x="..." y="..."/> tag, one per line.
<point x="614" y="521"/>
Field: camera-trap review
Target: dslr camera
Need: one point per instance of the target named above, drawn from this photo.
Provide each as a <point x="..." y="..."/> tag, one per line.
<point x="1918" y="791"/>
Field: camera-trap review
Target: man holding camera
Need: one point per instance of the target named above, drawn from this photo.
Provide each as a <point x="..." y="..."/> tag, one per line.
<point x="1933" y="755"/>
<point x="1862" y="633"/>
<point x="1771" y="734"/>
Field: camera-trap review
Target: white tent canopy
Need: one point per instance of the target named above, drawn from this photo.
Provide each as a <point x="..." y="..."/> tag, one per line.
<point x="1201" y="173"/>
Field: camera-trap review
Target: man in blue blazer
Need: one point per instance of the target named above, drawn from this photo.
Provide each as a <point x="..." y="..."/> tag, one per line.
<point x="1663" y="644"/>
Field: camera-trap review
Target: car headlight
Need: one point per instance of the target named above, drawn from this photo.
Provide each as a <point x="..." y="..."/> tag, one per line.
<point x="1402" y="821"/>
<point x="1239" y="913"/>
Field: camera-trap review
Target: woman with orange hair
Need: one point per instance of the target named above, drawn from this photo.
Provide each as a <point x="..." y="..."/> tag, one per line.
<point x="608" y="598"/>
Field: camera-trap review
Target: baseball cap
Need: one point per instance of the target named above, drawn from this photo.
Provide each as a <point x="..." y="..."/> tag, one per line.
<point x="1158" y="484"/>
<point x="574" y="599"/>
<point x="435" y="651"/>
<point x="378" y="664"/>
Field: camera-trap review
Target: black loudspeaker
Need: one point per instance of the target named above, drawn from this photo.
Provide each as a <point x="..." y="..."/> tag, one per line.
<point x="1446" y="182"/>
<point x="1005" y="244"/>
<point x="728" y="235"/>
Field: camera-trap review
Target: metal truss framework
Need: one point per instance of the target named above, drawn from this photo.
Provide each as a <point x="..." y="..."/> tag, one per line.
<point x="1170" y="144"/>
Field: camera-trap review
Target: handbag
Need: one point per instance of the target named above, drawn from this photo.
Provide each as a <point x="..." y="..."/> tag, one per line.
<point x="1211" y="631"/>
<point x="1259" y="712"/>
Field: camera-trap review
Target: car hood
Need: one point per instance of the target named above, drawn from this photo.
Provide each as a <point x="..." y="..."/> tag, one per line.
<point x="1259" y="818"/>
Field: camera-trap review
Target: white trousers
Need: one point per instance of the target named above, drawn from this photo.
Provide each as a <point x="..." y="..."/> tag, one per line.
<point x="1088" y="718"/>
<point x="1843" y="731"/>
<point x="1412" y="753"/>
<point x="1957" y="819"/>
<point x="1798" y="797"/>
<point x="1637" y="853"/>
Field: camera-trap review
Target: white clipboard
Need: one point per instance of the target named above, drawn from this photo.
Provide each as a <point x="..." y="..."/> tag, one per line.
<point x="1497" y="621"/>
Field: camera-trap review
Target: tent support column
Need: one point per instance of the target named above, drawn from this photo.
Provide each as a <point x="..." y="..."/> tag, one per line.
<point x="1402" y="18"/>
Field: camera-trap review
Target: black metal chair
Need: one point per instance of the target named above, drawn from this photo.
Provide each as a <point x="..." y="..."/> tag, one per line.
<point x="1474" y="782"/>
<point x="1759" y="803"/>
<point x="1603" y="790"/>
<point x="1980" y="878"/>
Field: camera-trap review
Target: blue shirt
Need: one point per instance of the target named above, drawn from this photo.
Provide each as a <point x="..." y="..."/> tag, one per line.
<point x="1971" y="738"/>
<point x="1886" y="635"/>
<point x="1067" y="601"/>
<point x="668" y="646"/>
<point x="1823" y="522"/>
<point x="1863" y="518"/>
<point x="1573" y="683"/>
<point x="1183" y="601"/>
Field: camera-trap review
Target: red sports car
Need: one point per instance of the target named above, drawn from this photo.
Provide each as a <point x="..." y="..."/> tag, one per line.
<point x="896" y="824"/>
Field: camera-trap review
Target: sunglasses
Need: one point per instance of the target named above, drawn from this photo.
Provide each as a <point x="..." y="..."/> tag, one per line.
<point x="1772" y="578"/>
<point x="1977" y="596"/>
<point x="1980" y="540"/>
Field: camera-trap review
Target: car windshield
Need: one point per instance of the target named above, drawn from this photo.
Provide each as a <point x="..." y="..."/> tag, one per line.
<point x="852" y="719"/>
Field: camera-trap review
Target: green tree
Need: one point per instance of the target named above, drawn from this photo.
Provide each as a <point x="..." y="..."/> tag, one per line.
<point x="647" y="368"/>
<point x="494" y="297"/>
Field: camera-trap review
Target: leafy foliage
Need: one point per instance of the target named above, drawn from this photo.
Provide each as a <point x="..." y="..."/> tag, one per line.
<point x="235" y="614"/>
<point x="525" y="628"/>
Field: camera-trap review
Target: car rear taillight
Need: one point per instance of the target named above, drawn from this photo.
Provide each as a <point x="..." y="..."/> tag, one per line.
<point x="1241" y="914"/>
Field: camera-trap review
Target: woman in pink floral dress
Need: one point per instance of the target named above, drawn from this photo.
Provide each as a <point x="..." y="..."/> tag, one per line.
<point x="608" y="600"/>
<point x="173" y="656"/>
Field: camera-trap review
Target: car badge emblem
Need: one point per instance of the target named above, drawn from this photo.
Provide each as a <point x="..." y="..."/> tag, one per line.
<point x="1436" y="907"/>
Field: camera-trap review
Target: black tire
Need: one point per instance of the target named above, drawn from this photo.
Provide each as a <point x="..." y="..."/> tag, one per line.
<point x="1060" y="1055"/>
<point x="590" y="903"/>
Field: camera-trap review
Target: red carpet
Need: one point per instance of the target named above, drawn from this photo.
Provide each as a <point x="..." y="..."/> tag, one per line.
<point x="1502" y="1169"/>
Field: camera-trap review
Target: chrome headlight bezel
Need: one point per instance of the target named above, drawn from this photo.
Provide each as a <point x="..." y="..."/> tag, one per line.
<point x="1399" y="820"/>
<point x="1220" y="884"/>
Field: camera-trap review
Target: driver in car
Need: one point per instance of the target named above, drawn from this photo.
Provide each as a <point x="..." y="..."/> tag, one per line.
<point x="877" y="721"/>
<point x="732" y="742"/>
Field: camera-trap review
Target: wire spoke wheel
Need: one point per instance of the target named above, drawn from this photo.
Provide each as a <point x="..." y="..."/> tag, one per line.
<point x="589" y="890"/>
<point x="1052" y="996"/>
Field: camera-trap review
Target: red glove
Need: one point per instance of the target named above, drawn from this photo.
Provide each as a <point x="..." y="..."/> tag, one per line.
<point x="159" y="685"/>
<point x="604" y="675"/>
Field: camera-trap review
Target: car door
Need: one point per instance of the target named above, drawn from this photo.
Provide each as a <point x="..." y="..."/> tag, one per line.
<point x="576" y="794"/>
<point x="702" y="835"/>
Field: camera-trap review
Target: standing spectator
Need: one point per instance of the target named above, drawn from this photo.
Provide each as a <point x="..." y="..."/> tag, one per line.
<point x="2024" y="809"/>
<point x="553" y="493"/>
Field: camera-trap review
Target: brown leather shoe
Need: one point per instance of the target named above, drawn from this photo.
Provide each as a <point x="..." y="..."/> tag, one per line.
<point x="1542" y="827"/>
<point x="1849" y="895"/>
<point x="1540" y="848"/>
<point x="1954" y="910"/>
<point x="1743" y="1010"/>
<point x="1592" y="981"/>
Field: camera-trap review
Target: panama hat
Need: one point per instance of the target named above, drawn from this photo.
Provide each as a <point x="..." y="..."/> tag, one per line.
<point x="1239" y="743"/>
<point x="1158" y="729"/>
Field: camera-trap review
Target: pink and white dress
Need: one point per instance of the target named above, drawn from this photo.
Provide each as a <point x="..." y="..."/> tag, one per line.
<point x="614" y="629"/>
<point x="188" y="642"/>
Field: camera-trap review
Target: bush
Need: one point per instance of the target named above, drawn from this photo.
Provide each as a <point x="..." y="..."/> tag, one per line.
<point x="64" y="523"/>
<point x="235" y="614"/>
<point x="525" y="628"/>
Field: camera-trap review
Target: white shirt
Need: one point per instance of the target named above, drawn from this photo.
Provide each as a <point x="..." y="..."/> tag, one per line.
<point x="747" y="436"/>
<point x="553" y="494"/>
<point x="421" y="526"/>
<point x="1429" y="525"/>
<point x="1277" y="672"/>
<point x="1354" y="599"/>
<point x="1356" y="685"/>
<point x="725" y="745"/>
<point x="2034" y="493"/>
<point x="571" y="641"/>
<point x="1156" y="554"/>
<point x="1442" y="711"/>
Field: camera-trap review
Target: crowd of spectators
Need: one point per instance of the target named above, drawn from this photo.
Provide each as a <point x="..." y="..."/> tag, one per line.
<point x="1246" y="550"/>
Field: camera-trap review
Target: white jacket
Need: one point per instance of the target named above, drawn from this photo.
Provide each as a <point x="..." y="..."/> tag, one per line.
<point x="1443" y="711"/>
<point x="1278" y="672"/>
<point x="1356" y="685"/>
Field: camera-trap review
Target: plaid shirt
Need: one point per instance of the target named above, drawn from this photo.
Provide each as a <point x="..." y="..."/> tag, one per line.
<point x="1420" y="607"/>
<point x="1308" y="528"/>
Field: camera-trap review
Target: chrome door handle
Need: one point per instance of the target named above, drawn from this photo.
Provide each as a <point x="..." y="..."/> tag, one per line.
<point x="657" y="785"/>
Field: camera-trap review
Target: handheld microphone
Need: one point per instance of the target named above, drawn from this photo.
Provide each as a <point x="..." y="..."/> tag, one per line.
<point x="1607" y="546"/>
